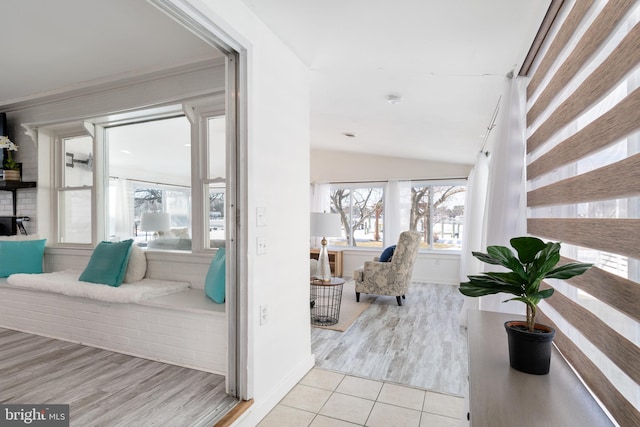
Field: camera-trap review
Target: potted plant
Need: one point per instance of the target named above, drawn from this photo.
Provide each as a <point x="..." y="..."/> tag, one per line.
<point x="10" y="166"/>
<point x="529" y="342"/>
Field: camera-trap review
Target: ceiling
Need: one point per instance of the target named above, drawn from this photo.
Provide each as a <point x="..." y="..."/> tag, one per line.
<point x="447" y="60"/>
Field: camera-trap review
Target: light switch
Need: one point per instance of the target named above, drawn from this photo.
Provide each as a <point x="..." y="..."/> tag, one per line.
<point x="261" y="217"/>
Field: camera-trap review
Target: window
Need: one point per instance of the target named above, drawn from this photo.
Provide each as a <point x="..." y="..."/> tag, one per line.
<point x="215" y="182"/>
<point x="437" y="211"/>
<point x="76" y="190"/>
<point x="112" y="171"/>
<point x="434" y="208"/>
<point x="362" y="214"/>
<point x="150" y="172"/>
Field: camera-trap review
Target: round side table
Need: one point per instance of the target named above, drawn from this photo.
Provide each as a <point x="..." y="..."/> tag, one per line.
<point x="325" y="301"/>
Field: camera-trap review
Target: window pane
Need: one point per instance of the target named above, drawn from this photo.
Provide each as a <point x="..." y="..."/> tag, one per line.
<point x="216" y="217"/>
<point x="175" y="202"/>
<point x="367" y="217"/>
<point x="78" y="170"/>
<point x="216" y="173"/>
<point x="421" y="213"/>
<point x="150" y="172"/>
<point x="75" y="216"/>
<point x="341" y="203"/>
<point x="362" y="215"/>
<point x="217" y="144"/>
<point x="438" y="213"/>
<point x="448" y="205"/>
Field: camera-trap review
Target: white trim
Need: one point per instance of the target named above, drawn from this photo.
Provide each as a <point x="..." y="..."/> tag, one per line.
<point x="260" y="409"/>
<point x="110" y="83"/>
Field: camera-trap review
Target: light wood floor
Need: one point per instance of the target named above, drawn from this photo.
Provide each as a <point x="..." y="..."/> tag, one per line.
<point x="419" y="344"/>
<point x="105" y="388"/>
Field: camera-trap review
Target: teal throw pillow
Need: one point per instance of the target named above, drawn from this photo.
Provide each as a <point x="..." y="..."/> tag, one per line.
<point x="215" y="281"/>
<point x="21" y="256"/>
<point x="108" y="263"/>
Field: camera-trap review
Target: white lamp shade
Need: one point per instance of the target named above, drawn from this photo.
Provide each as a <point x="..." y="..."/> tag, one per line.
<point x="155" y="221"/>
<point x="325" y="224"/>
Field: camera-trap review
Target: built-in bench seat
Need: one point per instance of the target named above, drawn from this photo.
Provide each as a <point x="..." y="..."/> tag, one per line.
<point x="183" y="328"/>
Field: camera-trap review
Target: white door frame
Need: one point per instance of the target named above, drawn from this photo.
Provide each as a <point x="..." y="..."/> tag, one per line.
<point x="236" y="188"/>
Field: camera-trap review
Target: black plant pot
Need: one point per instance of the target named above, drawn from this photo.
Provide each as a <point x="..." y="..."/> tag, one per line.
<point x="529" y="352"/>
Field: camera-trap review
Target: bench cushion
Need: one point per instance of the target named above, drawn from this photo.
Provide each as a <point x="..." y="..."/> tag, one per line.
<point x="67" y="283"/>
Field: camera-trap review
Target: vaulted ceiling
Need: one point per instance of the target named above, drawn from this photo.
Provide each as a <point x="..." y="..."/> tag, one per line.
<point x="446" y="60"/>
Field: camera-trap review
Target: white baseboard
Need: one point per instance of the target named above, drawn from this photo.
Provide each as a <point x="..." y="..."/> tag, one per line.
<point x="264" y="404"/>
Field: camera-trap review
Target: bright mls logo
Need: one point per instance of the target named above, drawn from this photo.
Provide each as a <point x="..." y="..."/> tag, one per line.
<point x="34" y="415"/>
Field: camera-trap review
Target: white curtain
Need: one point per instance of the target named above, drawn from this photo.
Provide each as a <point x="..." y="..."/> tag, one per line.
<point x="320" y="193"/>
<point x="397" y="202"/>
<point x="472" y="238"/>
<point x="505" y="212"/>
<point x="320" y="202"/>
<point x="122" y="210"/>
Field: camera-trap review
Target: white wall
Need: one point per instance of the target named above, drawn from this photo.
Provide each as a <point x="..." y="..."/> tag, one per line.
<point x="339" y="166"/>
<point x="432" y="267"/>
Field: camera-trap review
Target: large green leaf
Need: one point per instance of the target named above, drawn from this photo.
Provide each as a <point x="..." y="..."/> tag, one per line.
<point x="511" y="278"/>
<point x="482" y="285"/>
<point x="546" y="260"/>
<point x="568" y="271"/>
<point x="507" y="259"/>
<point x="545" y="293"/>
<point x="527" y="248"/>
<point x="486" y="258"/>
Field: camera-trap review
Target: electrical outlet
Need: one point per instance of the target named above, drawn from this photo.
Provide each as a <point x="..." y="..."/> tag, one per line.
<point x="263" y="314"/>
<point x="262" y="245"/>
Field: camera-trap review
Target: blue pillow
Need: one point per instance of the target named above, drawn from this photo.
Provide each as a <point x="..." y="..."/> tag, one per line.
<point x="108" y="263"/>
<point x="387" y="254"/>
<point x="215" y="281"/>
<point x="21" y="256"/>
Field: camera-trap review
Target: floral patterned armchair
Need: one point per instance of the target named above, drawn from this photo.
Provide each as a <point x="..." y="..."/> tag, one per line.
<point x="390" y="278"/>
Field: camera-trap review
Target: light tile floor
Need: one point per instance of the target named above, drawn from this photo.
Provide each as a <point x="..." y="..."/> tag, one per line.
<point x="330" y="399"/>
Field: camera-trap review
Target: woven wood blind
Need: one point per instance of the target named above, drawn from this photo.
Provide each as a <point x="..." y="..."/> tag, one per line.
<point x="583" y="171"/>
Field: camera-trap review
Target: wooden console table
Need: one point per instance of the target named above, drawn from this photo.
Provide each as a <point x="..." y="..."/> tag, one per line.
<point x="501" y="396"/>
<point x="335" y="259"/>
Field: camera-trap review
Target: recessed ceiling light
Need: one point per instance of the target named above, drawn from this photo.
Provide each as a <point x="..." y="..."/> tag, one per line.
<point x="349" y="134"/>
<point x="187" y="145"/>
<point x="125" y="151"/>
<point x="393" y="99"/>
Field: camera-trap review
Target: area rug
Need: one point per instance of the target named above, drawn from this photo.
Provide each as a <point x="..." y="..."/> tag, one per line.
<point x="349" y="308"/>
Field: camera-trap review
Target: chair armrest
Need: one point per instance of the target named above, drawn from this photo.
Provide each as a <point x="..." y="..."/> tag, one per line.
<point x="374" y="267"/>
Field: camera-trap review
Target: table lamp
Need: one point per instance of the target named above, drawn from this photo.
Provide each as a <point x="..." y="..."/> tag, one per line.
<point x="323" y="225"/>
<point x="158" y="222"/>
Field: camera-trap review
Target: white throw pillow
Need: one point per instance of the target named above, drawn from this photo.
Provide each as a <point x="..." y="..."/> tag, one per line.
<point x="137" y="266"/>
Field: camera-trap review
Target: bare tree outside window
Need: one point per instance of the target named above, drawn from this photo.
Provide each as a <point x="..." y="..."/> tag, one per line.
<point x="147" y="200"/>
<point x="361" y="212"/>
<point x="438" y="212"/>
